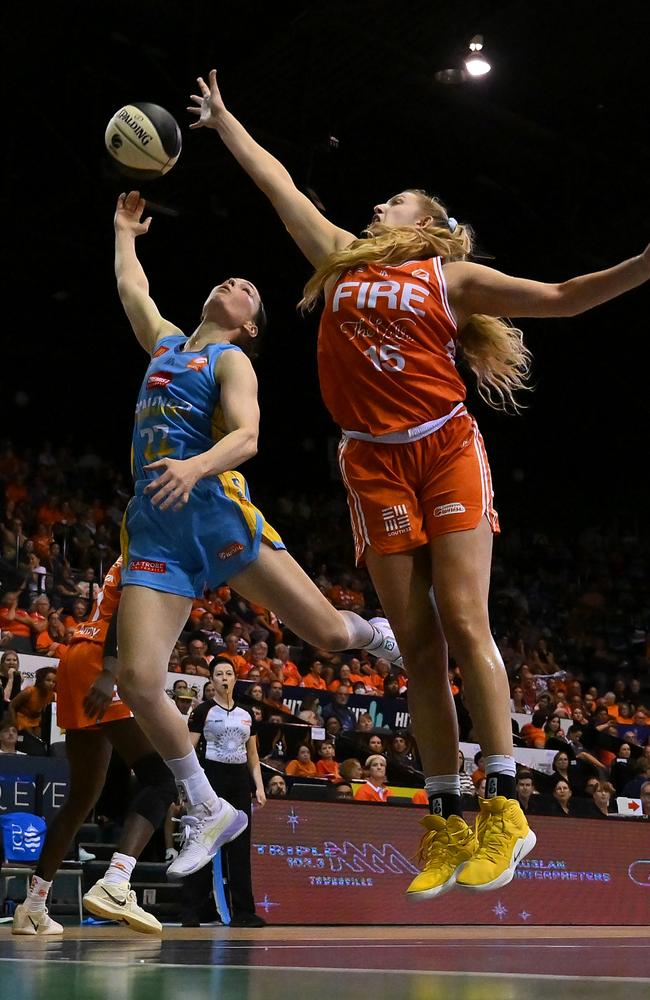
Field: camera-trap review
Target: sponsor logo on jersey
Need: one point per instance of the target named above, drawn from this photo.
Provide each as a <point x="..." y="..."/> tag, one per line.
<point x="196" y="364"/>
<point x="448" y="508"/>
<point x="161" y="350"/>
<point x="396" y="519"/>
<point x="420" y="273"/>
<point x="147" y="566"/>
<point x="159" y="380"/>
<point x="230" y="550"/>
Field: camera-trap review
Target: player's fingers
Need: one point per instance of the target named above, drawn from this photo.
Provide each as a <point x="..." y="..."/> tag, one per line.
<point x="205" y="90"/>
<point x="197" y="99"/>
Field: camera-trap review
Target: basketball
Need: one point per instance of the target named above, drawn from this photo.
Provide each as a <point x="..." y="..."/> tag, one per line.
<point x="144" y="140"/>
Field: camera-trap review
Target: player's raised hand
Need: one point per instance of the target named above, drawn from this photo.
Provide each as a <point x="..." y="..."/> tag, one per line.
<point x="128" y="214"/>
<point x="208" y="105"/>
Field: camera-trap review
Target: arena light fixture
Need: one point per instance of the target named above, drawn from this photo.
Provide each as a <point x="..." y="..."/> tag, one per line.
<point x="476" y="61"/>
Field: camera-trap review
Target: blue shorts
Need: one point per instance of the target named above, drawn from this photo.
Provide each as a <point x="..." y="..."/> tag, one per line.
<point x="215" y="536"/>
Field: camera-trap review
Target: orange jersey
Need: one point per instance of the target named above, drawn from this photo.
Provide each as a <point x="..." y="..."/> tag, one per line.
<point x="371" y="793"/>
<point x="108" y="598"/>
<point x="390" y="329"/>
<point x="78" y="670"/>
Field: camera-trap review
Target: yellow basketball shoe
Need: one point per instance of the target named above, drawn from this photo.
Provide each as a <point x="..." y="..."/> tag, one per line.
<point x="446" y="847"/>
<point x="504" y="839"/>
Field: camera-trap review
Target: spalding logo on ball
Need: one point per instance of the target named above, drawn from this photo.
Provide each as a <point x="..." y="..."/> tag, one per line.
<point x="144" y="140"/>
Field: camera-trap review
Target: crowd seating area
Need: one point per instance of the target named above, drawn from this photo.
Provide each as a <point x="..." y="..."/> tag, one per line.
<point x="569" y="612"/>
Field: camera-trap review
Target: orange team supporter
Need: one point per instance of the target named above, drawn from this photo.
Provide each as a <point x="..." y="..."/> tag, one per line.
<point x="420" y="798"/>
<point x="533" y="736"/>
<point x="344" y="597"/>
<point x="301" y="769"/>
<point x="18" y="626"/>
<point x="28" y="716"/>
<point x="291" y="676"/>
<point x="268" y="619"/>
<point x="313" y="681"/>
<point x="328" y="769"/>
<point x="372" y="793"/>
<point x="84" y="659"/>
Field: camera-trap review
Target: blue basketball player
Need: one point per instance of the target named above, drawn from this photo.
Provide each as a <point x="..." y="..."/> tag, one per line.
<point x="191" y="523"/>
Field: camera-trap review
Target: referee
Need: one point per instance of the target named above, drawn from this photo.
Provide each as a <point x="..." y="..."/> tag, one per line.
<point x="233" y="768"/>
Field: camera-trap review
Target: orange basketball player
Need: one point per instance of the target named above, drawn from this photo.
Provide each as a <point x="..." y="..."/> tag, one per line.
<point x="400" y="304"/>
<point x="96" y="721"/>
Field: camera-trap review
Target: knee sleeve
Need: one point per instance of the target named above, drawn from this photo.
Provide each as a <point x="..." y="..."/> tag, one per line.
<point x="156" y="789"/>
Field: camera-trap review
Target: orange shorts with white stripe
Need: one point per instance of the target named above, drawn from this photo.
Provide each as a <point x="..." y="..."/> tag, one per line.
<point x="79" y="668"/>
<point x="402" y="495"/>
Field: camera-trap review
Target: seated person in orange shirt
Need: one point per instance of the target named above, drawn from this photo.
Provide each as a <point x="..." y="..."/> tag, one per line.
<point x="274" y="698"/>
<point x="22" y="625"/>
<point x="209" y="602"/>
<point x="53" y="641"/>
<point x="258" y="657"/>
<point x="289" y="673"/>
<point x="78" y="613"/>
<point x="303" y="766"/>
<point x="344" y="677"/>
<point x="533" y="732"/>
<point x="240" y="663"/>
<point x="312" y="678"/>
<point x="267" y="620"/>
<point x="26" y="709"/>
<point x="344" y="596"/>
<point x="326" y="766"/>
<point x="375" y="788"/>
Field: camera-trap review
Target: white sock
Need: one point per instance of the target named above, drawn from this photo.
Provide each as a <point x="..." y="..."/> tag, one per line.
<point x="361" y="634"/>
<point x="500" y="764"/>
<point x="193" y="780"/>
<point x="448" y="783"/>
<point x="120" y="869"/>
<point x="37" y="894"/>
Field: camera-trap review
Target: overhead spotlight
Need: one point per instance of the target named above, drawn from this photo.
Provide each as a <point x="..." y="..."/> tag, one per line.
<point x="476" y="62"/>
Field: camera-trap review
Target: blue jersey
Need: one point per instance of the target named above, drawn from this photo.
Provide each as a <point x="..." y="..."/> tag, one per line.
<point x="178" y="413"/>
<point x="218" y="533"/>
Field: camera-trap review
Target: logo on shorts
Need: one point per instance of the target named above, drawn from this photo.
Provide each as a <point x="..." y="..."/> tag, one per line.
<point x="449" y="508"/>
<point x="147" y="566"/>
<point x="196" y="364"/>
<point x="232" y="549"/>
<point x="161" y="350"/>
<point x="396" y="519"/>
<point x="159" y="380"/>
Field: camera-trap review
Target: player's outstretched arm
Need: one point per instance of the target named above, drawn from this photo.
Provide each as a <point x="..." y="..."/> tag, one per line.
<point x="313" y="233"/>
<point x="132" y="284"/>
<point x="474" y="288"/>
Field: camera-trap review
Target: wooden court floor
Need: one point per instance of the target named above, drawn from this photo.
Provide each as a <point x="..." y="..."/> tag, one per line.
<point x="279" y="963"/>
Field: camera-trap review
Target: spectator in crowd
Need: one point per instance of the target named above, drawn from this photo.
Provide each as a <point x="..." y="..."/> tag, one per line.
<point x="374" y="788"/>
<point x="232" y="653"/>
<point x="600" y="806"/>
<point x="479" y="767"/>
<point x="400" y="750"/>
<point x="286" y="669"/>
<point x="210" y="630"/>
<point x="562" y="766"/>
<point x="339" y="708"/>
<point x="365" y="723"/>
<point x="525" y="790"/>
<point x="53" y="640"/>
<point x="533" y="732"/>
<point x="276" y="787"/>
<point x="310" y="711"/>
<point x="196" y="666"/>
<point x="640" y="773"/>
<point x="518" y="702"/>
<point x="208" y="691"/>
<point x="326" y="765"/>
<point x="78" y="613"/>
<point x="88" y="586"/>
<point x="333" y="727"/>
<point x="391" y="687"/>
<point x="9" y="739"/>
<point x="553" y="730"/>
<point x="184" y="701"/>
<point x="256" y="692"/>
<point x="376" y="745"/>
<point x="22" y="625"/>
<point x="303" y="765"/>
<point x="343" y="792"/>
<point x="10" y="678"/>
<point x="561" y="805"/>
<point x="313" y="678"/>
<point x="258" y="657"/>
<point x="351" y="770"/>
<point x="27" y="707"/>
